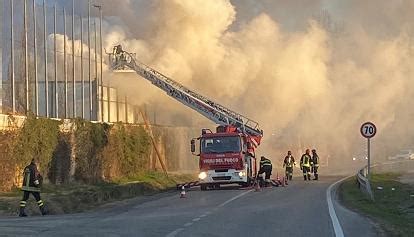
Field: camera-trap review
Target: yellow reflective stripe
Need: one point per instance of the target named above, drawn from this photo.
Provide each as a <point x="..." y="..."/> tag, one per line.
<point x="22" y="205"/>
<point x="22" y="201"/>
<point x="265" y="162"/>
<point x="30" y="189"/>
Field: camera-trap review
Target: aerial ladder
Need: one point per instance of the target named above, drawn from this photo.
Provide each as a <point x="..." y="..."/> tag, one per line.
<point x="121" y="61"/>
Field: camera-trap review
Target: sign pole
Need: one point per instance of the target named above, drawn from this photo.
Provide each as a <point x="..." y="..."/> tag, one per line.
<point x="368" y="130"/>
<point x="369" y="158"/>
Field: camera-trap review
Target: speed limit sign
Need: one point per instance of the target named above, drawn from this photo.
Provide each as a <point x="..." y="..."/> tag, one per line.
<point x="368" y="130"/>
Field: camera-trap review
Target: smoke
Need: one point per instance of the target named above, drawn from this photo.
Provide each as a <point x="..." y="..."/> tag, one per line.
<point x="309" y="77"/>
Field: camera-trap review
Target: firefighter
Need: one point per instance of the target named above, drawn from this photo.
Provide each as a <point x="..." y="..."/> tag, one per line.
<point x="118" y="53"/>
<point x="305" y="164"/>
<point x="315" y="164"/>
<point x="289" y="162"/>
<point x="32" y="181"/>
<point x="265" y="167"/>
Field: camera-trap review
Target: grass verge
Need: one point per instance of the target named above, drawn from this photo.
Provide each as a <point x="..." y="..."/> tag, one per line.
<point x="392" y="209"/>
<point x="72" y="198"/>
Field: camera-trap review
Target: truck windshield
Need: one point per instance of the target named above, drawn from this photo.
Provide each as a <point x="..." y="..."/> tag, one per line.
<point x="220" y="144"/>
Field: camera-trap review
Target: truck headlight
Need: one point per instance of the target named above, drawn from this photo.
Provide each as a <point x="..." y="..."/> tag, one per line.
<point x="242" y="173"/>
<point x="202" y="175"/>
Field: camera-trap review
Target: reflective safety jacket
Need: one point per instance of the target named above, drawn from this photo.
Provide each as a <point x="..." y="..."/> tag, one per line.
<point x="305" y="161"/>
<point x="289" y="161"/>
<point x="31" y="178"/>
<point x="265" y="162"/>
<point x="315" y="160"/>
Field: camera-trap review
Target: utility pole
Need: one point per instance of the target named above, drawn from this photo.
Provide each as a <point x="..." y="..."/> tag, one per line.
<point x="55" y="62"/>
<point x="101" y="61"/>
<point x="73" y="61"/>
<point x="26" y="60"/>
<point x="13" y="89"/>
<point x="65" y="66"/>
<point x="35" y="60"/>
<point x="89" y="61"/>
<point x="81" y="69"/>
<point x="96" y="73"/>
<point x="45" y="52"/>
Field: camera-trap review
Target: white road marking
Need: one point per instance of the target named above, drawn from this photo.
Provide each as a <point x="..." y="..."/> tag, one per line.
<point x="335" y="222"/>
<point x="188" y="224"/>
<point x="175" y="232"/>
<point x="234" y="198"/>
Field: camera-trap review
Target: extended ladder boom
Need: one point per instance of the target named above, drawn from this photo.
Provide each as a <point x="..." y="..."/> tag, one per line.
<point x="121" y="61"/>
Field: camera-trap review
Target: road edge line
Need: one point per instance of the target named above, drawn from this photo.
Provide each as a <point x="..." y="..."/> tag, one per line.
<point x="334" y="218"/>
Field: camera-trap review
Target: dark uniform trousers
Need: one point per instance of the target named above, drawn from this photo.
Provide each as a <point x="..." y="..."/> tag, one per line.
<point x="36" y="195"/>
<point x="306" y="172"/>
<point x="267" y="169"/>
<point x="315" y="171"/>
<point x="289" y="172"/>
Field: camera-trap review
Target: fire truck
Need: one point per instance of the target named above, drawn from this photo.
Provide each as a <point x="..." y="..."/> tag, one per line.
<point x="227" y="155"/>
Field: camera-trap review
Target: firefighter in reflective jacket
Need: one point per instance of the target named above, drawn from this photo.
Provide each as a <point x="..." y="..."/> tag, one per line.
<point x="315" y="164"/>
<point x="289" y="162"/>
<point x="265" y="167"/>
<point x="31" y="185"/>
<point x="305" y="165"/>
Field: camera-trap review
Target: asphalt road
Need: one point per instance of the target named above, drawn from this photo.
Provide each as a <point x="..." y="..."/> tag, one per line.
<point x="297" y="210"/>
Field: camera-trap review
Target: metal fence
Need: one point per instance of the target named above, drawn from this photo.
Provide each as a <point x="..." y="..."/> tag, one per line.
<point x="52" y="62"/>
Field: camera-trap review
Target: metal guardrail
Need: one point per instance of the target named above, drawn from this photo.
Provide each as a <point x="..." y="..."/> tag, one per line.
<point x="363" y="182"/>
<point x="389" y="166"/>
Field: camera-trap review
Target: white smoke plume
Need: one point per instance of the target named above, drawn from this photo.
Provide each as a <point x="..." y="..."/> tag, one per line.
<point x="310" y="80"/>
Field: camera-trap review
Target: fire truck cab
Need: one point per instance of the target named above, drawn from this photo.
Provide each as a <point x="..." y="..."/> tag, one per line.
<point x="226" y="157"/>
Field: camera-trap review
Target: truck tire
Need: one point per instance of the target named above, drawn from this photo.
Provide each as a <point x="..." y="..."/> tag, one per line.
<point x="203" y="187"/>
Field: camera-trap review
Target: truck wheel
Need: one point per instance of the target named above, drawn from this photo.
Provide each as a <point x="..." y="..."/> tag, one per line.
<point x="203" y="187"/>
